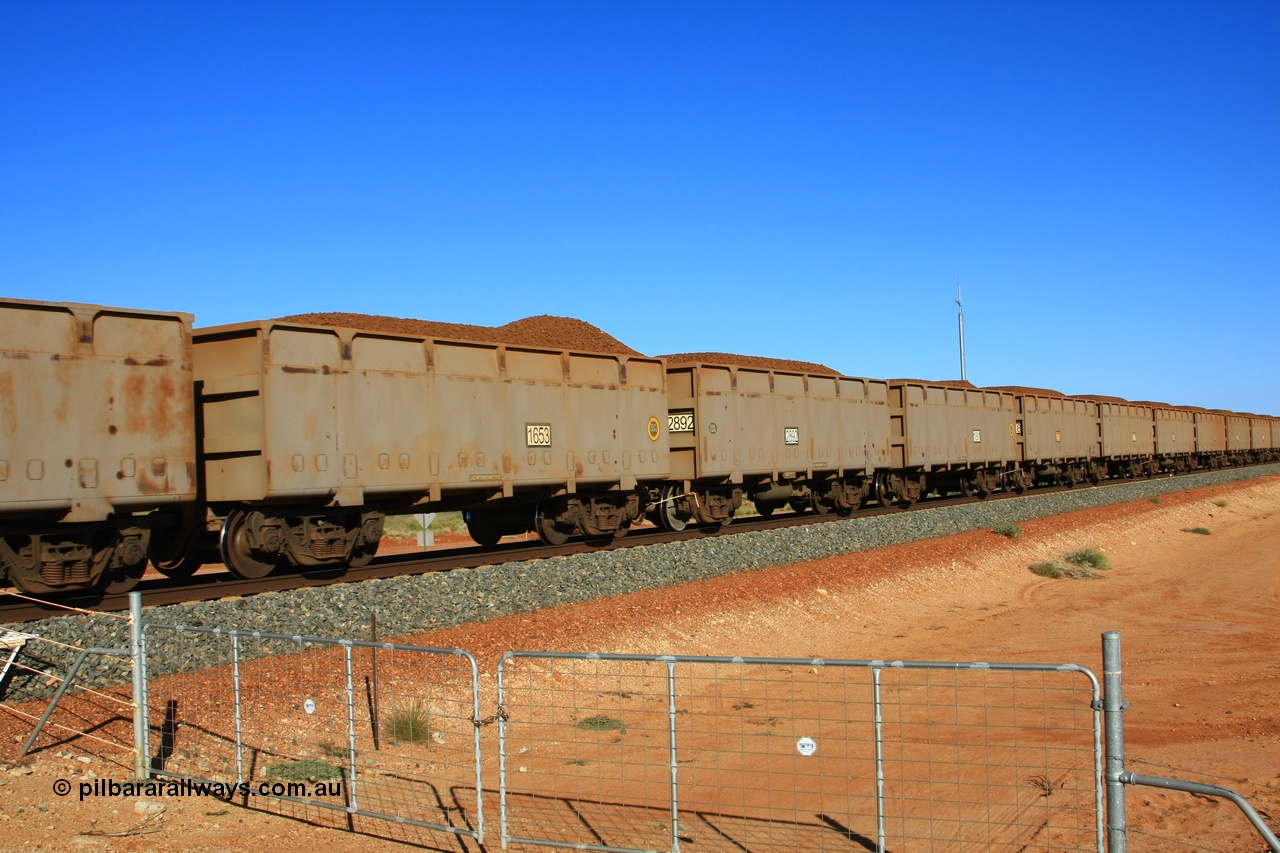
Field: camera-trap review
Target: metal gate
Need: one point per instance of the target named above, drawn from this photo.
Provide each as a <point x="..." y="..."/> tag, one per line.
<point x="383" y="731"/>
<point x="630" y="752"/>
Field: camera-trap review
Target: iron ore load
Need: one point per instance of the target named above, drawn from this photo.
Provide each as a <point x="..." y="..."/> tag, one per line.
<point x="126" y="435"/>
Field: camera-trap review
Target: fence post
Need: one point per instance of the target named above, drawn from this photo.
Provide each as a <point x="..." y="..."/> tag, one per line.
<point x="674" y="761"/>
<point x="1114" y="706"/>
<point x="237" y="708"/>
<point x="879" y="723"/>
<point x="141" y="770"/>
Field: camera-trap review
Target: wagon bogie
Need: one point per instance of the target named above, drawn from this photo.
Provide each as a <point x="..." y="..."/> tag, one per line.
<point x="254" y="540"/>
<point x="841" y="494"/>
<point x="598" y="516"/>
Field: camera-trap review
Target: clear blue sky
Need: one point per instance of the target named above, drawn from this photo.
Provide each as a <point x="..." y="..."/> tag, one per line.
<point x="790" y="179"/>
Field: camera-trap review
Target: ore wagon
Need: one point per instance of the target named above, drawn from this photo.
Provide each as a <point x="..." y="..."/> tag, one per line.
<point x="779" y="437"/>
<point x="1175" y="437"/>
<point x="312" y="434"/>
<point x="1057" y="439"/>
<point x="1211" y="438"/>
<point x="949" y="438"/>
<point x="1128" y="432"/>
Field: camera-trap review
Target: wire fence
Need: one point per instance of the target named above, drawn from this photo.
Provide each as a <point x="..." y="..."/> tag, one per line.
<point x="610" y="752"/>
<point x="620" y="752"/>
<point x="343" y="732"/>
<point x="65" y="692"/>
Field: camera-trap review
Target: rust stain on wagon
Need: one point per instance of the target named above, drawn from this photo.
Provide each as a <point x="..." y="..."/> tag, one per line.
<point x="150" y="407"/>
<point x="148" y="485"/>
<point x="8" y="405"/>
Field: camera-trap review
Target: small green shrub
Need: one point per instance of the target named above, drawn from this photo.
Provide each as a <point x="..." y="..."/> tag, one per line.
<point x="1203" y="531"/>
<point x="333" y="750"/>
<point x="600" y="723"/>
<point x="1007" y="528"/>
<point x="1047" y="569"/>
<point x="307" y="768"/>
<point x="407" y="724"/>
<point x="1056" y="569"/>
<point x="1090" y="558"/>
<point x="1155" y="501"/>
<point x="1222" y="502"/>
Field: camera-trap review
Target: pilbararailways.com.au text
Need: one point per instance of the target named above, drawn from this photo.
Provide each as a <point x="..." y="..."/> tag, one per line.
<point x="188" y="788"/>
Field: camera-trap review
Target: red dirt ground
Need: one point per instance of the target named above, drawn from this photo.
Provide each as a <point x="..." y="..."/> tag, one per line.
<point x="1198" y="616"/>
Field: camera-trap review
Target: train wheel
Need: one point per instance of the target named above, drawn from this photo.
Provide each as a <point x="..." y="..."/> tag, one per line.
<point x="239" y="554"/>
<point x="172" y="553"/>
<point x="184" y="568"/>
<point x="369" y="539"/>
<point x="668" y="517"/>
<point x="362" y="555"/>
<point x="545" y="527"/>
<point x="123" y="579"/>
<point x="820" y="507"/>
<point x="764" y="508"/>
<point x="482" y="528"/>
<point x="884" y="496"/>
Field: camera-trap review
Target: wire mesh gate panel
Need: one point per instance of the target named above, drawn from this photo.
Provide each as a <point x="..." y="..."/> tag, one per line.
<point x="628" y="752"/>
<point x="319" y="727"/>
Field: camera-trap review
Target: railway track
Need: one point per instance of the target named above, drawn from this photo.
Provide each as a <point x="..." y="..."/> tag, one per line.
<point x="209" y="585"/>
<point x="212" y="585"/>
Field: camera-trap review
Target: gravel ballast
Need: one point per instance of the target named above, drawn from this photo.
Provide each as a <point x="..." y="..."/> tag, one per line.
<point x="413" y="604"/>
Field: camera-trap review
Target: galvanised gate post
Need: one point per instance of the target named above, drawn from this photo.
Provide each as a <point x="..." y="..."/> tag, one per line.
<point x="1113" y="707"/>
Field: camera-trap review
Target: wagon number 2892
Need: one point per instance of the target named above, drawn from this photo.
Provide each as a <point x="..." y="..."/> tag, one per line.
<point x="681" y="422"/>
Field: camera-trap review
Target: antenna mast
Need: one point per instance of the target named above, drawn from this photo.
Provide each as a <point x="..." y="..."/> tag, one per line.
<point x="963" y="376"/>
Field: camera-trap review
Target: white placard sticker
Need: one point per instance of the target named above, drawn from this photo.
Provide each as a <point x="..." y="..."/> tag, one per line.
<point x="806" y="746"/>
<point x="309" y="706"/>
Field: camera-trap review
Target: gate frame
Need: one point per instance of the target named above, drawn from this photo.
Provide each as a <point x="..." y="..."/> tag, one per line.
<point x="352" y="808"/>
<point x="875" y="666"/>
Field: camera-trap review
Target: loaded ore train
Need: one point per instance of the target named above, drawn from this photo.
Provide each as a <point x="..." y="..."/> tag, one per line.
<point x="128" y="436"/>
